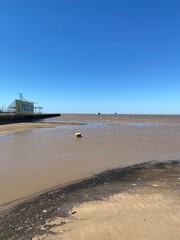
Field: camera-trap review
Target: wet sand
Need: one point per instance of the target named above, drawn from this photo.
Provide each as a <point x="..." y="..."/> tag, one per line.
<point x="137" y="202"/>
<point x="12" y="128"/>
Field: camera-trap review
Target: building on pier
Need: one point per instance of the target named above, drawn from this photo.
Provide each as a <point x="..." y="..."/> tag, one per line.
<point x="22" y="106"/>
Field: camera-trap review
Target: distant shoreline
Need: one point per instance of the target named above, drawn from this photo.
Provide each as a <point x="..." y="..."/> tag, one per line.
<point x="17" y="118"/>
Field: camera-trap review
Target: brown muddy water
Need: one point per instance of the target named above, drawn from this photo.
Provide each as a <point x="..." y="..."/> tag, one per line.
<point x="36" y="160"/>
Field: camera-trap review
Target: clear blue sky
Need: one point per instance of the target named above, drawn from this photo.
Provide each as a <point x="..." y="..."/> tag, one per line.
<point x="88" y="56"/>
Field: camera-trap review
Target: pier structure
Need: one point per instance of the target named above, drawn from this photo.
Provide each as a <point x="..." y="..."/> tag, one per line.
<point x="15" y="118"/>
<point x="22" y="110"/>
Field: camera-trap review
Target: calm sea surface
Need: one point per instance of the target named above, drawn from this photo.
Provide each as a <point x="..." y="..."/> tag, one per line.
<point x="36" y="160"/>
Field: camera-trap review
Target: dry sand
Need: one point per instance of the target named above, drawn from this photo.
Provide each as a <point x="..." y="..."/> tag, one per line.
<point x="121" y="216"/>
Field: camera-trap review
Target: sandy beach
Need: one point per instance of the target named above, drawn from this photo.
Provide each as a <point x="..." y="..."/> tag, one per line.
<point x="138" y="202"/>
<point x="42" y="164"/>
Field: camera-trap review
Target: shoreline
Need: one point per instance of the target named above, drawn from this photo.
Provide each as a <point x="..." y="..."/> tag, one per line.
<point x="7" y="207"/>
<point x="24" y="220"/>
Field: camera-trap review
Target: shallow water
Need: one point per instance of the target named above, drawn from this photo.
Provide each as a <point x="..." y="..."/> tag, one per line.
<point x="36" y="160"/>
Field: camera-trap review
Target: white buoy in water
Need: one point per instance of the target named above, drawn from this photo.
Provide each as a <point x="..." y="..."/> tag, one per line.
<point x="78" y="134"/>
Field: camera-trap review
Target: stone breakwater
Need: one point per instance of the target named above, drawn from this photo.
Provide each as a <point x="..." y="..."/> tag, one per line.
<point x="14" y="118"/>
